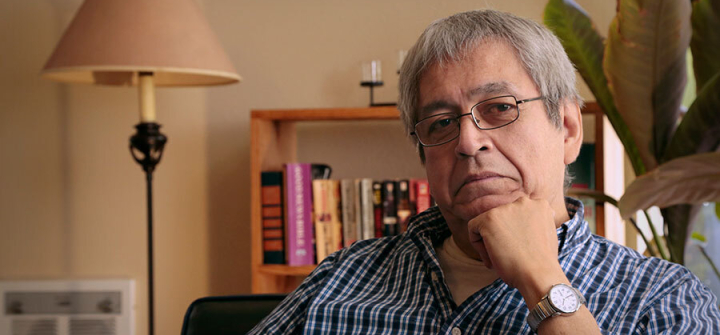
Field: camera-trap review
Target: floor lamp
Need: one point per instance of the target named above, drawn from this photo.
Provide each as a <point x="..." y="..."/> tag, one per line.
<point x="144" y="43"/>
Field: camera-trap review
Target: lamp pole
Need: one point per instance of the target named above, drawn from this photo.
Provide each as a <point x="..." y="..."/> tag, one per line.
<point x="146" y="147"/>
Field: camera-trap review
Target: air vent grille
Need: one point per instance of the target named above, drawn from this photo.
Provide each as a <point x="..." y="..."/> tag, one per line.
<point x="34" y="327"/>
<point x="92" y="327"/>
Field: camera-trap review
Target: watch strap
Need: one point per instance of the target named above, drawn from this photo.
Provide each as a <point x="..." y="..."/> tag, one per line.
<point x="544" y="309"/>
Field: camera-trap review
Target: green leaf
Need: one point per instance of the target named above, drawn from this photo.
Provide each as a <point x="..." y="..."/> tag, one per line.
<point x="698" y="237"/>
<point x="677" y="221"/>
<point x="688" y="180"/>
<point x="585" y="48"/>
<point x="644" y="63"/>
<point x="705" y="40"/>
<point x="699" y="130"/>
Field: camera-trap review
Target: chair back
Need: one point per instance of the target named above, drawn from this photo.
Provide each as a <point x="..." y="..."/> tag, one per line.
<point x="225" y="315"/>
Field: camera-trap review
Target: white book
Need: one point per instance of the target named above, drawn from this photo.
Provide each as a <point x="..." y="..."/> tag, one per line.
<point x="349" y="221"/>
<point x="367" y="212"/>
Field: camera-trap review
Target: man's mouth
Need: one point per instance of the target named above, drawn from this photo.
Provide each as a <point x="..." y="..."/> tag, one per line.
<point x="479" y="178"/>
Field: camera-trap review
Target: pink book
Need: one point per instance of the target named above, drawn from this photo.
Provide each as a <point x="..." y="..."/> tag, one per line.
<point x="299" y="224"/>
<point x="422" y="194"/>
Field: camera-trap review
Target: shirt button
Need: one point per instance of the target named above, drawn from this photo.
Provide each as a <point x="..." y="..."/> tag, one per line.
<point x="434" y="277"/>
<point x="456" y="331"/>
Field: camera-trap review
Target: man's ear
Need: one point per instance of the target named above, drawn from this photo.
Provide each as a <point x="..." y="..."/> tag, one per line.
<point x="571" y="118"/>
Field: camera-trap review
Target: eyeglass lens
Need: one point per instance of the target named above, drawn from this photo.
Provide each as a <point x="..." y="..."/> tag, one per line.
<point x="489" y="114"/>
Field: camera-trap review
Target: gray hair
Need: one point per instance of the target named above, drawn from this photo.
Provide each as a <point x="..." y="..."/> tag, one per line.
<point x="450" y="39"/>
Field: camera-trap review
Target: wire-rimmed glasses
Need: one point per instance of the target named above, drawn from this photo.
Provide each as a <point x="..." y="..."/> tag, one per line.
<point x="488" y="114"/>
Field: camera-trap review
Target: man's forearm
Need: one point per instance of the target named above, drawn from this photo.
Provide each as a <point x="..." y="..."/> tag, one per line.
<point x="580" y="322"/>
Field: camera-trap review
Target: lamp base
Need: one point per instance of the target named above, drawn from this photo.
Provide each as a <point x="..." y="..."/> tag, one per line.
<point x="146" y="147"/>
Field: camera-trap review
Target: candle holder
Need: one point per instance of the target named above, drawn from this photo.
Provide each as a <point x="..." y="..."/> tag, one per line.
<point x="372" y="85"/>
<point x="372" y="77"/>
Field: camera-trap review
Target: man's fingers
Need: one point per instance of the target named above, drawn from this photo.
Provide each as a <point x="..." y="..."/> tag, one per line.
<point x="480" y="248"/>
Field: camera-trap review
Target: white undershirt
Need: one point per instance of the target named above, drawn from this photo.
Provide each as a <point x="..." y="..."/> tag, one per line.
<point x="463" y="275"/>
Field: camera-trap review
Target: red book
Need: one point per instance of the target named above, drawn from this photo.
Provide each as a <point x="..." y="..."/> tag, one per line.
<point x="422" y="192"/>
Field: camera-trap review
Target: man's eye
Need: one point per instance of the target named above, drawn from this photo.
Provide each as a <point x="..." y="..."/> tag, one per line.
<point x="498" y="108"/>
<point x="441" y="123"/>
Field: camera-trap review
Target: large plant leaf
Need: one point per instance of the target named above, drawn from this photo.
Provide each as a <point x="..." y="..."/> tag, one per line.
<point x="585" y="49"/>
<point x="687" y="180"/>
<point x="699" y="130"/>
<point x="644" y="63"/>
<point x="705" y="40"/>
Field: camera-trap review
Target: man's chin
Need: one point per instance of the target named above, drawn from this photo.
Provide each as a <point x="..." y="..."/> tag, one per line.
<point x="468" y="210"/>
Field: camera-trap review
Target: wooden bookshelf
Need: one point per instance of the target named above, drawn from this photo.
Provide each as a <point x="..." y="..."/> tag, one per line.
<point x="274" y="142"/>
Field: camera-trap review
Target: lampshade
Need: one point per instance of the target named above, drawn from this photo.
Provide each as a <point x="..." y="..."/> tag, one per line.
<point x="110" y="41"/>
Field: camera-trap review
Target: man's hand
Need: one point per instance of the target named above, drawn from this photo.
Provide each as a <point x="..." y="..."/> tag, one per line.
<point x="519" y="242"/>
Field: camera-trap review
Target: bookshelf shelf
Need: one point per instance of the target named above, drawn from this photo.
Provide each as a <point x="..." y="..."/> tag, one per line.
<point x="274" y="142"/>
<point x="286" y="270"/>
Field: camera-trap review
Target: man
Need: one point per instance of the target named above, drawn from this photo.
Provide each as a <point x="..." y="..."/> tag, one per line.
<point x="490" y="101"/>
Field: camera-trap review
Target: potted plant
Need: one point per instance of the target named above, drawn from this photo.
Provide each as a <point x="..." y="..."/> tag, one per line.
<point x="638" y="76"/>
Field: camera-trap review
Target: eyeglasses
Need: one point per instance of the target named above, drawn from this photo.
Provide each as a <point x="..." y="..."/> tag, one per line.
<point x="488" y="114"/>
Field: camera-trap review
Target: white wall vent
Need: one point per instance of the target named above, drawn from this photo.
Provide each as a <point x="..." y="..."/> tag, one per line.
<point x="67" y="307"/>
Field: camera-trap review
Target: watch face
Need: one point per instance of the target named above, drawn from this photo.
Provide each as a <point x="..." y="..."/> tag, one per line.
<point x="564" y="298"/>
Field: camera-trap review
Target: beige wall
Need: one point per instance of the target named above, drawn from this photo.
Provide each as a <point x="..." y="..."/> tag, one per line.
<point x="72" y="201"/>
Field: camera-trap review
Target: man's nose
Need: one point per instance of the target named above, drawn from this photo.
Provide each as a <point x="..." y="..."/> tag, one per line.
<point x="471" y="139"/>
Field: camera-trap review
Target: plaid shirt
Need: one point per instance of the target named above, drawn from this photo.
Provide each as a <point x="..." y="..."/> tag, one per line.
<point x="395" y="285"/>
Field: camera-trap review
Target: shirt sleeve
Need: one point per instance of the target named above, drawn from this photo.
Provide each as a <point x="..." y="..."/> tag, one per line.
<point x="289" y="317"/>
<point x="690" y="308"/>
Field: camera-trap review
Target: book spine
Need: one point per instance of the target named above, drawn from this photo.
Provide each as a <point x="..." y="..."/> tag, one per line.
<point x="272" y="217"/>
<point x="389" y="209"/>
<point x="402" y="198"/>
<point x="378" y="208"/>
<point x="367" y="212"/>
<point x="298" y="199"/>
<point x="358" y="211"/>
<point x="412" y="191"/>
<point x="348" y="212"/>
<point x="322" y="220"/>
<point x="583" y="171"/>
<point x="422" y="192"/>
<point x="335" y="214"/>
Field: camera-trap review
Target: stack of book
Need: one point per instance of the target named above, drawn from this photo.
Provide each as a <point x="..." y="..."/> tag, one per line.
<point x="304" y="219"/>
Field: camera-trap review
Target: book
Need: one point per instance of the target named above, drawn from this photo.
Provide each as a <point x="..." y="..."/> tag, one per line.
<point x="326" y="198"/>
<point x="402" y="201"/>
<point x="389" y="209"/>
<point x="583" y="172"/>
<point x="422" y="194"/>
<point x="298" y="214"/>
<point x="271" y="200"/>
<point x="412" y="192"/>
<point x="367" y="212"/>
<point x="349" y="215"/>
<point x="378" y="208"/>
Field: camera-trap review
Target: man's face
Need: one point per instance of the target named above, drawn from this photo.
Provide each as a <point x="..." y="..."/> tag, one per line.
<point x="483" y="169"/>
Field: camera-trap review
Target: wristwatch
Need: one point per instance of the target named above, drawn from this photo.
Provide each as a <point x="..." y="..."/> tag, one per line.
<point x="561" y="300"/>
